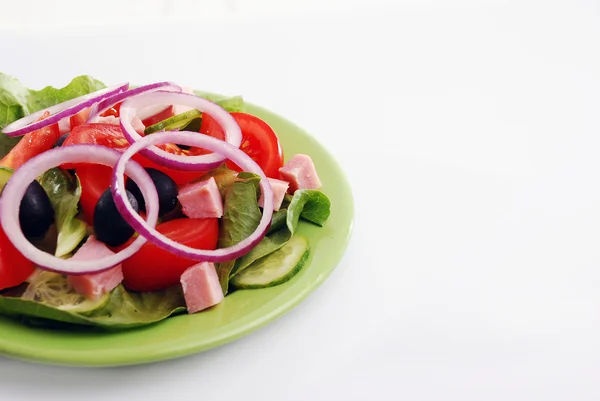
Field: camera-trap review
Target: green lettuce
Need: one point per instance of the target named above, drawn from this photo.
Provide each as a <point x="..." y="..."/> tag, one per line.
<point x="17" y="101"/>
<point x="64" y="192"/>
<point x="123" y="310"/>
<point x="308" y="204"/>
<point x="231" y="104"/>
<point x="241" y="216"/>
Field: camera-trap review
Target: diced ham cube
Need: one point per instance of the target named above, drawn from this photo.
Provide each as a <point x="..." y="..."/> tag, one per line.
<point x="301" y="173"/>
<point x="200" y="200"/>
<point x="201" y="287"/>
<point x="95" y="285"/>
<point x="279" y="190"/>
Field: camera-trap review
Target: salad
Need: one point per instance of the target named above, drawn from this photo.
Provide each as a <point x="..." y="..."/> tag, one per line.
<point x="123" y="206"/>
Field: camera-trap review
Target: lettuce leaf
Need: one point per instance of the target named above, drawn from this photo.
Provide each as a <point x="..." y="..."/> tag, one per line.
<point x="64" y="192"/>
<point x="241" y="216"/>
<point x="17" y="101"/>
<point x="308" y="204"/>
<point x="122" y="311"/>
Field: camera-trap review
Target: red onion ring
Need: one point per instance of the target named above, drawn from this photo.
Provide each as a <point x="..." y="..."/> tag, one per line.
<point x="62" y="110"/>
<point x="23" y="176"/>
<point x="233" y="133"/>
<point x="204" y="141"/>
<point x="106" y="104"/>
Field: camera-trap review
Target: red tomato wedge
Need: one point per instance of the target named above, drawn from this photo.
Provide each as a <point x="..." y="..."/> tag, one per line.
<point x="259" y="141"/>
<point x="14" y="267"/>
<point x="32" y="144"/>
<point x="153" y="268"/>
<point x="94" y="179"/>
<point x="110" y="135"/>
<point x="79" y="118"/>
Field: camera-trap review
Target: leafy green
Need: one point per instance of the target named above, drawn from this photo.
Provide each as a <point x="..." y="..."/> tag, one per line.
<point x="231" y="104"/>
<point x="17" y="101"/>
<point x="309" y="204"/>
<point x="241" y="216"/>
<point x="123" y="310"/>
<point x="64" y="192"/>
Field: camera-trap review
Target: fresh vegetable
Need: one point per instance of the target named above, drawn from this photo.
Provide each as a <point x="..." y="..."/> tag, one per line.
<point x="18" y="101"/>
<point x="14" y="267"/>
<point x="109" y="225"/>
<point x="17" y="185"/>
<point x="35" y="212"/>
<point x="55" y="113"/>
<point x="110" y="170"/>
<point x="165" y="186"/>
<point x="123" y="309"/>
<point x="188" y="138"/>
<point x="241" y="217"/>
<point x="174" y="123"/>
<point x="55" y="290"/>
<point x="233" y="135"/>
<point x="277" y="268"/>
<point x="64" y="192"/>
<point x="259" y="141"/>
<point x="32" y="144"/>
<point x="111" y="101"/>
<point x="153" y="268"/>
<point x="311" y="205"/>
<point x="111" y="136"/>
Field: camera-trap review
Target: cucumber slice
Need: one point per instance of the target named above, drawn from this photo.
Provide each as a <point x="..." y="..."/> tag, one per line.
<point x="53" y="289"/>
<point x="276" y="268"/>
<point x="176" y="122"/>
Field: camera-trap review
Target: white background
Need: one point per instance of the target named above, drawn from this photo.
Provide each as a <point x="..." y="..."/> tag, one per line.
<point x="469" y="131"/>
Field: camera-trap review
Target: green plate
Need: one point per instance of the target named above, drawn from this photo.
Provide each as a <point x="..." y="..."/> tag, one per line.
<point x="239" y="314"/>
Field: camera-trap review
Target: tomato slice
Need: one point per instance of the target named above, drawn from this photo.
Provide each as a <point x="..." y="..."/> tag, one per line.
<point x="32" y="144"/>
<point x="94" y="179"/>
<point x="259" y="141"/>
<point x="113" y="111"/>
<point x="152" y="268"/>
<point x="79" y="118"/>
<point x="110" y="135"/>
<point x="14" y="267"/>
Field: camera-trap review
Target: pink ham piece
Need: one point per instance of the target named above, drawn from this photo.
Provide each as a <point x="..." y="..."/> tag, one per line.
<point x="95" y="285"/>
<point x="279" y="190"/>
<point x="301" y="173"/>
<point x="201" y="200"/>
<point x="201" y="287"/>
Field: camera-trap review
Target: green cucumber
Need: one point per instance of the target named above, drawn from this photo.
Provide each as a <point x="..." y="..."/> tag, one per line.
<point x="176" y="122"/>
<point x="276" y="268"/>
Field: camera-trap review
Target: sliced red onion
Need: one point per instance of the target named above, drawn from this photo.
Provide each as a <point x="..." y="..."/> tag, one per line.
<point x="62" y="110"/>
<point x="215" y="145"/>
<point x="233" y="134"/>
<point x="113" y="100"/>
<point x="23" y="176"/>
